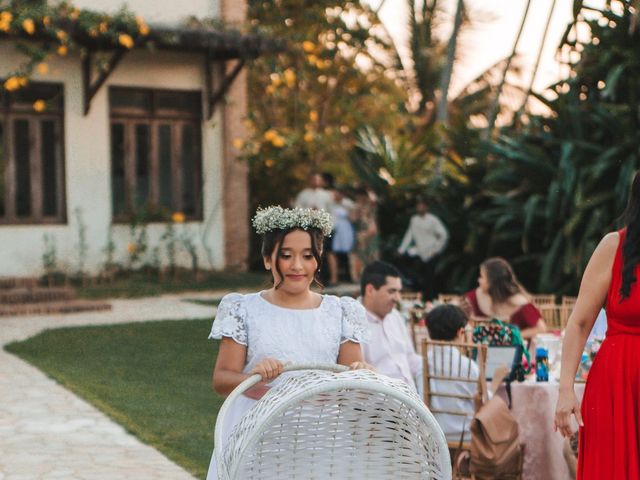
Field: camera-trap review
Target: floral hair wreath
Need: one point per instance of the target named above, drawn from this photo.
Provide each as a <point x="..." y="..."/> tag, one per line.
<point x="277" y="218"/>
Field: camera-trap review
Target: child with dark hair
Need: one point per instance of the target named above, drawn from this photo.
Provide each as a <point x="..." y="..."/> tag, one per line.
<point x="447" y="323"/>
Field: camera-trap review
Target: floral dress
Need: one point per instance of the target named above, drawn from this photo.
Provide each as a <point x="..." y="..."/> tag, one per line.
<point x="290" y="335"/>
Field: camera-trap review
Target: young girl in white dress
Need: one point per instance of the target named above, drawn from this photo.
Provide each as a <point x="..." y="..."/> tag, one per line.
<point x="288" y="323"/>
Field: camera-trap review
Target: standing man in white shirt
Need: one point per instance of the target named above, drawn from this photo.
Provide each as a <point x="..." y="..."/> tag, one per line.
<point x="424" y="239"/>
<point x="319" y="195"/>
<point x="316" y="195"/>
<point x="390" y="349"/>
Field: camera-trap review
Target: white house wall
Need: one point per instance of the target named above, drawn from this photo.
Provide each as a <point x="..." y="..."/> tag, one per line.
<point x="88" y="167"/>
<point x="166" y="12"/>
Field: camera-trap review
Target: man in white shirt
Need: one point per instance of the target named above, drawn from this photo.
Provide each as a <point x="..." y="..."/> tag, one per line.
<point x="315" y="195"/>
<point x="424" y="239"/>
<point x="390" y="349"/>
<point x="319" y="195"/>
<point x="447" y="323"/>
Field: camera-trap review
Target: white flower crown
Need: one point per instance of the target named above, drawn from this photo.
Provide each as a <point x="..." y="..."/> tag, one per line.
<point x="278" y="218"/>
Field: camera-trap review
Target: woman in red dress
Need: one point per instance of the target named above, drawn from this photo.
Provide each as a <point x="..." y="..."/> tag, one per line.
<point x="500" y="295"/>
<point x="609" y="420"/>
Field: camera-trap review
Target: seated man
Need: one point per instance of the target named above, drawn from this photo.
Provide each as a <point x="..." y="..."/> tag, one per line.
<point x="390" y="350"/>
<point x="447" y="323"/>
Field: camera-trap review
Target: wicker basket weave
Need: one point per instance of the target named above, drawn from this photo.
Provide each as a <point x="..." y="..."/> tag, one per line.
<point x="322" y="424"/>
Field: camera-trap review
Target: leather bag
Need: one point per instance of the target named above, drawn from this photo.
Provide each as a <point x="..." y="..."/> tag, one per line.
<point x="495" y="449"/>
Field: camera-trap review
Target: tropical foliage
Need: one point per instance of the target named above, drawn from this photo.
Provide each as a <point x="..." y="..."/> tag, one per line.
<point x="336" y="76"/>
<point x="54" y="29"/>
<point x="544" y="191"/>
<point x="552" y="188"/>
<point x="540" y="191"/>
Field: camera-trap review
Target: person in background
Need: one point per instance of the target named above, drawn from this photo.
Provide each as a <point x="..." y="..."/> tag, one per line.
<point x="288" y="323"/>
<point x="424" y="240"/>
<point x="343" y="236"/>
<point x="319" y="195"/>
<point x="447" y="323"/>
<point x="364" y="218"/>
<point x="500" y="295"/>
<point x="390" y="349"/>
<point x="315" y="195"/>
<point x="609" y="419"/>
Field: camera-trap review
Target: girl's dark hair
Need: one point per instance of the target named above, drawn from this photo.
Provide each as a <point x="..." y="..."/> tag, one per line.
<point x="631" y="246"/>
<point x="273" y="241"/>
<point x="503" y="283"/>
<point x="444" y="322"/>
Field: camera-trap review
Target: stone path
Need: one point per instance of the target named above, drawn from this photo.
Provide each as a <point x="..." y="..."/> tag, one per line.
<point x="46" y="432"/>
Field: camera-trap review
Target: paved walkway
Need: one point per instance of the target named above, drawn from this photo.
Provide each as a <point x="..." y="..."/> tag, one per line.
<point x="46" y="432"/>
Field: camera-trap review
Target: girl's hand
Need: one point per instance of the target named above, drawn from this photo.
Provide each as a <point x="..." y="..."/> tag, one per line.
<point x="567" y="405"/>
<point x="361" y="366"/>
<point x="268" y="368"/>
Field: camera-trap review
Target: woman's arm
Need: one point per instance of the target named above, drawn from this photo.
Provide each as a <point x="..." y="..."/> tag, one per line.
<point x="227" y="374"/>
<point x="593" y="293"/>
<point x="350" y="355"/>
<point x="540" y="327"/>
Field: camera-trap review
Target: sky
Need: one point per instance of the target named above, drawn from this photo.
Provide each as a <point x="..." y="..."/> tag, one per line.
<point x="492" y="39"/>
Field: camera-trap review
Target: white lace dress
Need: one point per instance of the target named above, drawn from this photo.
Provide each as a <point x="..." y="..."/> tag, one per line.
<point x="290" y="335"/>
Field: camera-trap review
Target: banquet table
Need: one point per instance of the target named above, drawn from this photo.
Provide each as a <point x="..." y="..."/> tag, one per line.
<point x="533" y="406"/>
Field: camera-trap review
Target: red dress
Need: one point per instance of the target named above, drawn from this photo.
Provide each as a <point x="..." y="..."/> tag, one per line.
<point x="527" y="316"/>
<point x="610" y="438"/>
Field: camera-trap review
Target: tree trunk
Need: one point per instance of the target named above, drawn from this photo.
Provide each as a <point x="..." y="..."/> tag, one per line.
<point x="443" y="105"/>
<point x="442" y="113"/>
<point x="537" y="64"/>
<point x="495" y="105"/>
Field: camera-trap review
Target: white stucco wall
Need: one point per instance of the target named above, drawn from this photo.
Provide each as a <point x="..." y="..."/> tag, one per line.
<point x="165" y="12"/>
<point x="87" y="168"/>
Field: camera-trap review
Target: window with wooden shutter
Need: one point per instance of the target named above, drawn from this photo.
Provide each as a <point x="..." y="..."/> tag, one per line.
<point x="32" y="155"/>
<point x="156" y="159"/>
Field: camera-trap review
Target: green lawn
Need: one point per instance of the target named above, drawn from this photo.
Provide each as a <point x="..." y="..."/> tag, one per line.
<point x="153" y="378"/>
<point x="206" y="303"/>
<point x="144" y="285"/>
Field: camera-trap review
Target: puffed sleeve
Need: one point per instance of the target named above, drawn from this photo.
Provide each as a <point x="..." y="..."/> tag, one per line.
<point x="231" y="319"/>
<point x="354" y="321"/>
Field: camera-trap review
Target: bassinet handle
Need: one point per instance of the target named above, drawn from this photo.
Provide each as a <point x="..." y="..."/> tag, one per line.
<point x="250" y="382"/>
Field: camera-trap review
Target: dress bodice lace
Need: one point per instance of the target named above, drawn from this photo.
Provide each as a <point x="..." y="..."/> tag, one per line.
<point x="289" y="335"/>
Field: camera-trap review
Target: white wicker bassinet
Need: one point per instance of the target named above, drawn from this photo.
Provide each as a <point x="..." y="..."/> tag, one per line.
<point x="323" y="424"/>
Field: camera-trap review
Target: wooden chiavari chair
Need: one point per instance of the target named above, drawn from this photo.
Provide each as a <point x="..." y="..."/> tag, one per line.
<point x="552" y="316"/>
<point x="567" y="305"/>
<point x="442" y="372"/>
<point x="543" y="300"/>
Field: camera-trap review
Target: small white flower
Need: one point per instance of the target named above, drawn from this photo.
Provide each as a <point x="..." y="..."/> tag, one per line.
<point x="278" y="218"/>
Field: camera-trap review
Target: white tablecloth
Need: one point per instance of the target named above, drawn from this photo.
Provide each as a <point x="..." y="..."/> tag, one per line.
<point x="533" y="406"/>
